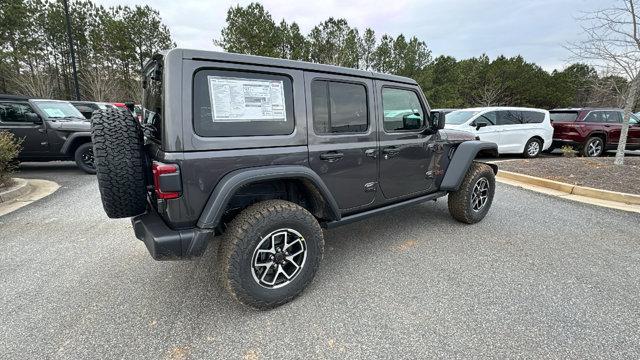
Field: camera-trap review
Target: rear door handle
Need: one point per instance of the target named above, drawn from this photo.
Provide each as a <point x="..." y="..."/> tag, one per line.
<point x="331" y="156"/>
<point x="372" y="153"/>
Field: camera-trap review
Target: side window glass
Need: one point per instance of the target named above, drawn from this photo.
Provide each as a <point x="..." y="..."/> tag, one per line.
<point x="14" y="113"/>
<point x="532" y="117"/>
<point x="488" y="118"/>
<point x="320" y="106"/>
<point x="614" y="117"/>
<point x="509" y="117"/>
<point x="595" y="117"/>
<point x="348" y="104"/>
<point x="634" y="120"/>
<point x="339" y="107"/>
<point x="402" y="110"/>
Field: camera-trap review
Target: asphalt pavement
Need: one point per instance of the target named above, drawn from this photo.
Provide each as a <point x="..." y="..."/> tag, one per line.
<point x="540" y="277"/>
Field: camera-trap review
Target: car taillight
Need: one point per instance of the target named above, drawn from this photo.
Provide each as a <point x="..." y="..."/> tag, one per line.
<point x="166" y="180"/>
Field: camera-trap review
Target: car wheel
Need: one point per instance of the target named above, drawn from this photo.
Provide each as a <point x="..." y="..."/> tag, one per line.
<point x="270" y="253"/>
<point x="594" y="147"/>
<point x="84" y="158"/>
<point x="471" y="202"/>
<point x="533" y="148"/>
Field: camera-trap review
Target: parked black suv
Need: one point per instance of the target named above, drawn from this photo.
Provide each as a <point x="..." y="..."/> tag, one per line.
<point x="266" y="152"/>
<point x="50" y="129"/>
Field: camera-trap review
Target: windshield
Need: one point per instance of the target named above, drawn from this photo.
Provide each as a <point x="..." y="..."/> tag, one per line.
<point x="459" y="117"/>
<point x="58" y="109"/>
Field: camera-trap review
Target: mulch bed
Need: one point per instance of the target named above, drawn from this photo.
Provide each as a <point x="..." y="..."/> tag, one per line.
<point x="597" y="173"/>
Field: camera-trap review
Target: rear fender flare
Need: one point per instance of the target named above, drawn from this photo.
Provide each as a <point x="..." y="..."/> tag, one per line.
<point x="233" y="181"/>
<point x="462" y="159"/>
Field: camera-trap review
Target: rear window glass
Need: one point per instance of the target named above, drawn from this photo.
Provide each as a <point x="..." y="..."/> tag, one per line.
<point x="564" y="116"/>
<point x="234" y="103"/>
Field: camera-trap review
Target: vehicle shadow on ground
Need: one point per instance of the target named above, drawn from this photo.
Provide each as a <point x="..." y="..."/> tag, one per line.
<point x="46" y="169"/>
<point x="344" y="247"/>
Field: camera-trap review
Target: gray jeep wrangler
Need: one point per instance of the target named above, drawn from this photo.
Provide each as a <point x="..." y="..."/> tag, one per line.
<point x="266" y="152"/>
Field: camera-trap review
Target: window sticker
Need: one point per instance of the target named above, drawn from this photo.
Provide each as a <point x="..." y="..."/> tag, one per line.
<point x="53" y="112"/>
<point x="242" y="99"/>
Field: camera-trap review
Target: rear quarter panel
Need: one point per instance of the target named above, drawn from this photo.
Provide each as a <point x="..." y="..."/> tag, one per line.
<point x="201" y="172"/>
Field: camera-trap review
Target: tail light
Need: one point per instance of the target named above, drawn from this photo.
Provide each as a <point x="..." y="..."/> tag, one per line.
<point x="166" y="180"/>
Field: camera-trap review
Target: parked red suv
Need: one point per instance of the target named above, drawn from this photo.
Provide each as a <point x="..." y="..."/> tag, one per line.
<point x="592" y="131"/>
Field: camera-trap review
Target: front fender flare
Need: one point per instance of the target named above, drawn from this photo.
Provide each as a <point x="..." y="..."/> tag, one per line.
<point x="72" y="138"/>
<point x="230" y="183"/>
<point x="462" y="158"/>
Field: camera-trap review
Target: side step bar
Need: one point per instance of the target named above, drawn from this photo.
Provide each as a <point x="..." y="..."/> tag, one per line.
<point x="363" y="215"/>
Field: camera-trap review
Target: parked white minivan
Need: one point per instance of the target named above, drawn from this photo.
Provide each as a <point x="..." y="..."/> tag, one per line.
<point x="516" y="130"/>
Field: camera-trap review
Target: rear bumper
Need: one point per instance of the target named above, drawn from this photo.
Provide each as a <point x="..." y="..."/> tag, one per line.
<point x="165" y="243"/>
<point x="558" y="143"/>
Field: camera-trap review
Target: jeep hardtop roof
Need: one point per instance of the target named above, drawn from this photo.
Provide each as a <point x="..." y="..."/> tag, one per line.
<point x="281" y="63"/>
<point x="13" y="97"/>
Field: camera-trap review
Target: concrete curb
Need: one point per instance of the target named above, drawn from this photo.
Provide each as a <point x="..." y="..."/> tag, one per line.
<point x="584" y="191"/>
<point x="20" y="188"/>
<point x="25" y="192"/>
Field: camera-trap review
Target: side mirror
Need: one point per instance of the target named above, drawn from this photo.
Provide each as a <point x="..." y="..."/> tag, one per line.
<point x="34" y="118"/>
<point x="437" y="121"/>
<point x="411" y="122"/>
<point x="480" y="125"/>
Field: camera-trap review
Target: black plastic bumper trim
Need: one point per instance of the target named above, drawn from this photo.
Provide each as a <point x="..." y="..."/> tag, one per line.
<point x="165" y="243"/>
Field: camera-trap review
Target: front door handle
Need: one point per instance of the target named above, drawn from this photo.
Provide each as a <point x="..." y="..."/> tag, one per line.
<point x="331" y="156"/>
<point x="390" y="151"/>
<point x="42" y="130"/>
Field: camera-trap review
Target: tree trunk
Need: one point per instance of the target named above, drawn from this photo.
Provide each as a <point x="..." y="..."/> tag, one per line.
<point x="630" y="102"/>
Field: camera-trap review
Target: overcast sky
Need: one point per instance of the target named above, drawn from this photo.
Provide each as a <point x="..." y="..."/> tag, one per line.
<point x="536" y="29"/>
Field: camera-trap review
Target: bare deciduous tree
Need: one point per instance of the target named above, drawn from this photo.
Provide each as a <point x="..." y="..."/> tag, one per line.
<point x="39" y="85"/>
<point x="491" y="93"/>
<point x="608" y="90"/>
<point x="97" y="84"/>
<point x="613" y="42"/>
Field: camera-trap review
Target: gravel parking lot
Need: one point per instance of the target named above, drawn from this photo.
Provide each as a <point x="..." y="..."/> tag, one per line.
<point x="539" y="277"/>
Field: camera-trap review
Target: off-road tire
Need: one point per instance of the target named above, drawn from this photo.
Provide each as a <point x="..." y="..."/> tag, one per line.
<point x="529" y="143"/>
<point x="80" y="161"/>
<point x="243" y="235"/>
<point x="120" y="163"/>
<point x="460" y="206"/>
<point x="584" y="150"/>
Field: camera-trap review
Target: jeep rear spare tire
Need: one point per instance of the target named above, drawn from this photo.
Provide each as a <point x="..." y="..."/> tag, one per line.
<point x="119" y="160"/>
